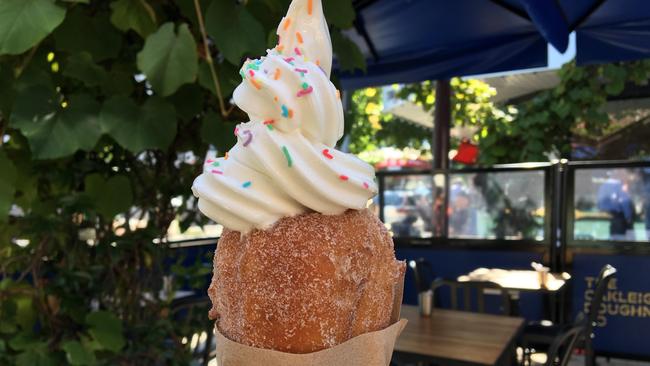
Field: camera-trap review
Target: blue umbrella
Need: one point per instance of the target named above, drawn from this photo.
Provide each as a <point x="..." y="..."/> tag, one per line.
<point x="412" y="40"/>
<point x="407" y="41"/>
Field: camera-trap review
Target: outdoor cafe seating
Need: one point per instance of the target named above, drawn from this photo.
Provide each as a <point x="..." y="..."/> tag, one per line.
<point x="537" y="342"/>
<point x="528" y="314"/>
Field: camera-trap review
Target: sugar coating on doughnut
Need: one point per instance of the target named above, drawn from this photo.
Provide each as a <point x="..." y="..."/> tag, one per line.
<point x="310" y="282"/>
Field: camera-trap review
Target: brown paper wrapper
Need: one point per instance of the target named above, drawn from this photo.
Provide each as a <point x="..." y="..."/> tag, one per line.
<point x="369" y="349"/>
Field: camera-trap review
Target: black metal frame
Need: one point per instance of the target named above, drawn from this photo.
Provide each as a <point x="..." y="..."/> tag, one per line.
<point x="558" y="225"/>
<point x="444" y="242"/>
<point x="603" y="247"/>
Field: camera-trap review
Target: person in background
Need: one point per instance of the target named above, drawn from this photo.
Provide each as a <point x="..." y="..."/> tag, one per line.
<point x="405" y="228"/>
<point x="462" y="215"/>
<point x="614" y="198"/>
<point x="424" y="208"/>
<point x="438" y="210"/>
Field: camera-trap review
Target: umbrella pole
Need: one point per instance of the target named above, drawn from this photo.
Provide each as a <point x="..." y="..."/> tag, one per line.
<point x="442" y="119"/>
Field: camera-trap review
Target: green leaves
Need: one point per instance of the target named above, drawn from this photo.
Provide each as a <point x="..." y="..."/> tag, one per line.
<point x="235" y="31"/>
<point x="106" y="329"/>
<point x="229" y="77"/>
<point x="188" y="101"/>
<point x="152" y="126"/>
<point x="339" y="13"/>
<point x="216" y="132"/>
<point x="616" y="77"/>
<point x="24" y="23"/>
<point x="34" y="351"/>
<point x="93" y="34"/>
<point x="169" y="60"/>
<point x="51" y="130"/>
<point x="7" y="185"/>
<point x="76" y="354"/>
<point x="54" y="131"/>
<point x="36" y="356"/>
<point x="80" y="66"/>
<point x="347" y="52"/>
<point x="133" y="14"/>
<point x="109" y="196"/>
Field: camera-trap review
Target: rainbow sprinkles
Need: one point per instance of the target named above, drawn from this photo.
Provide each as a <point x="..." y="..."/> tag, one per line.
<point x="296" y="119"/>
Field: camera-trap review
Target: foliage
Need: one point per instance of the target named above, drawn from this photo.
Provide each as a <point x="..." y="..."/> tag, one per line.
<point x="106" y="111"/>
<point x="372" y="127"/>
<point x="534" y="130"/>
<point x="546" y="123"/>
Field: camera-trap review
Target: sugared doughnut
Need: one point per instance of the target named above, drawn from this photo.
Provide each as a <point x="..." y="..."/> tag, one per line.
<point x="310" y="282"/>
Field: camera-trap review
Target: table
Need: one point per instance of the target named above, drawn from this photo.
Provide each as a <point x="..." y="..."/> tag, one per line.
<point x="525" y="280"/>
<point x="458" y="337"/>
<point x="521" y="280"/>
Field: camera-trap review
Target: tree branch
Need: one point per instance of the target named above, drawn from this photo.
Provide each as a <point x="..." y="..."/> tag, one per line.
<point x="26" y="61"/>
<point x="208" y="58"/>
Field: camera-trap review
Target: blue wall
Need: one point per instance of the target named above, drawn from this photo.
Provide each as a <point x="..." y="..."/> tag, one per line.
<point x="625" y="328"/>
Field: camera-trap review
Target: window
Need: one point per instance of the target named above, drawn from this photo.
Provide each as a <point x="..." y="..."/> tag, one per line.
<point x="611" y="204"/>
<point x="497" y="205"/>
<point x="408" y="205"/>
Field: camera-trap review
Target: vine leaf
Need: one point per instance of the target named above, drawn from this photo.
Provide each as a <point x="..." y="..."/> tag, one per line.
<point x="234" y="30"/>
<point x="229" y="77"/>
<point x="93" y="34"/>
<point x="37" y="354"/>
<point x="188" y="101"/>
<point x="24" y="23"/>
<point x="151" y="126"/>
<point x="106" y="329"/>
<point x="109" y="196"/>
<point x="52" y="130"/>
<point x="348" y="54"/>
<point x="216" y="132"/>
<point x="118" y="82"/>
<point x="76" y="354"/>
<point x="7" y="184"/>
<point x="133" y="14"/>
<point x="339" y="13"/>
<point x="169" y="60"/>
<point x="80" y="66"/>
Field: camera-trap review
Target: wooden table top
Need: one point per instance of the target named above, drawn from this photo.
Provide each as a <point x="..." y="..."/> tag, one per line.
<point x="524" y="280"/>
<point x="458" y="337"/>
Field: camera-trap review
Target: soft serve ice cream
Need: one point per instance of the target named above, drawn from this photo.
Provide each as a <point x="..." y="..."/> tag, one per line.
<point x="320" y="282"/>
<point x="284" y="162"/>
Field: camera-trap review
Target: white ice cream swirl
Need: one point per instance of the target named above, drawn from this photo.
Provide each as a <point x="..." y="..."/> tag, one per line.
<point x="284" y="162"/>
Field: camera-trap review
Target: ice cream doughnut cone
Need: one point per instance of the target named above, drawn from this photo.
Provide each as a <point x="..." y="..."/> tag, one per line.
<point x="302" y="266"/>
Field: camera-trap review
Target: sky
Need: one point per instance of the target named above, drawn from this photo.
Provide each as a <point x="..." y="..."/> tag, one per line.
<point x="555" y="61"/>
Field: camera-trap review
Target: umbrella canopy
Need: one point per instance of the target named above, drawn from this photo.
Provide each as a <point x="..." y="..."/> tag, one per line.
<point x="412" y="40"/>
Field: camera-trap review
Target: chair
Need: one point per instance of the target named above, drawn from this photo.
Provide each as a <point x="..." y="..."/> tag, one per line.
<point x="468" y="288"/>
<point x="560" y="351"/>
<point x="539" y="336"/>
<point x="191" y="314"/>
<point x="422" y="273"/>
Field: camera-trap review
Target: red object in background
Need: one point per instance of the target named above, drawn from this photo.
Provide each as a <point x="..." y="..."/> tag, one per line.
<point x="467" y="153"/>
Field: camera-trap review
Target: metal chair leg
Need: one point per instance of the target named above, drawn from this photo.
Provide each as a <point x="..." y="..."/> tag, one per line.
<point x="590" y="358"/>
